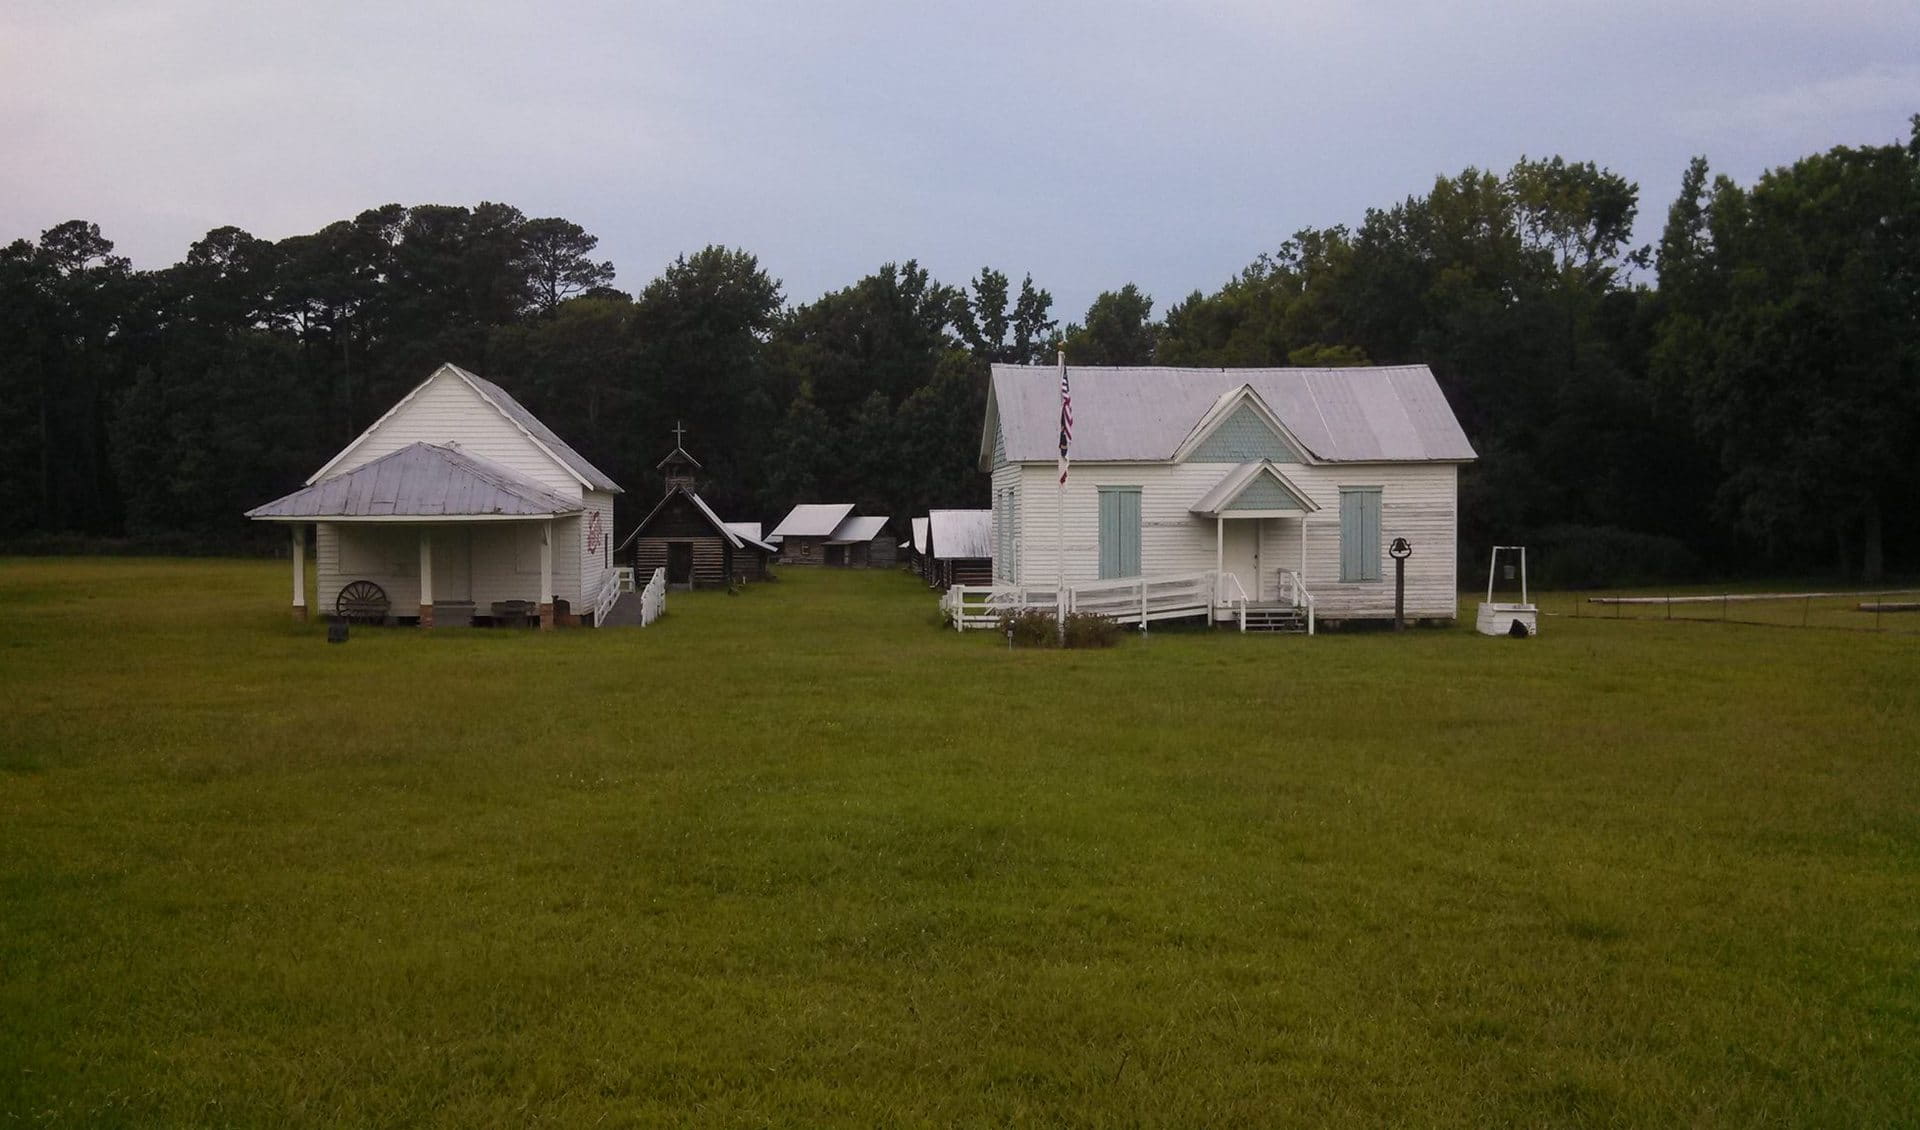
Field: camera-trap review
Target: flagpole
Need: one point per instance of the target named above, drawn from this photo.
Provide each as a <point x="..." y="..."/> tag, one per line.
<point x="1060" y="513"/>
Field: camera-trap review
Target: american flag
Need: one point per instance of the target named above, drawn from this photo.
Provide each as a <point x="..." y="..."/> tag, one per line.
<point x="1066" y="419"/>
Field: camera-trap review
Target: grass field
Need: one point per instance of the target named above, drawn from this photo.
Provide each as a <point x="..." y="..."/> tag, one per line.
<point x="795" y="857"/>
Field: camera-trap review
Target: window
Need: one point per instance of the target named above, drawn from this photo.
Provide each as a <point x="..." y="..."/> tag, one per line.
<point x="1119" y="532"/>
<point x="1359" y="533"/>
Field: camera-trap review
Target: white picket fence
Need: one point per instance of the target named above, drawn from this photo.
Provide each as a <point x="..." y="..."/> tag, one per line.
<point x="1130" y="600"/>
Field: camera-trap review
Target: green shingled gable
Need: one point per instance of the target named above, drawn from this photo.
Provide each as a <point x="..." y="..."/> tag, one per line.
<point x="1263" y="493"/>
<point x="1243" y="438"/>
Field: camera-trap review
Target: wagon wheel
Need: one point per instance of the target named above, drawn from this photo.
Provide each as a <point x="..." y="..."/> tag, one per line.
<point x="362" y="600"/>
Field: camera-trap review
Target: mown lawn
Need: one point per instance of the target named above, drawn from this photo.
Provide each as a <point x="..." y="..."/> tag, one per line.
<point x="795" y="857"/>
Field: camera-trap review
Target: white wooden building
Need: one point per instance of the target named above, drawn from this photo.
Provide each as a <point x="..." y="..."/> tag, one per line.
<point x="454" y="500"/>
<point x="1286" y="486"/>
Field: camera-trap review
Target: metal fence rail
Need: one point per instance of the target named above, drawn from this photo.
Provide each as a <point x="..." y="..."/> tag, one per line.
<point x="1858" y="610"/>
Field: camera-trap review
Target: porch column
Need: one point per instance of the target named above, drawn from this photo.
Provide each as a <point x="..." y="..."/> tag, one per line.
<point x="426" y="576"/>
<point x="1259" y="553"/>
<point x="1303" y="551"/>
<point x="299" y="571"/>
<point x="546" y="575"/>
<point x="1219" y="559"/>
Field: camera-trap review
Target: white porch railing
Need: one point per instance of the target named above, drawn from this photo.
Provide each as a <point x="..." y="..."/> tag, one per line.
<point x="1131" y="600"/>
<point x="1233" y="595"/>
<point x="624" y="574"/>
<point x="1294" y="591"/>
<point x="608" y="595"/>
<point x="653" y="598"/>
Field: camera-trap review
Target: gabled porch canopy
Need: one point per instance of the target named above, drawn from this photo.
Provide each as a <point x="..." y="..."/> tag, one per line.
<point x="1254" y="490"/>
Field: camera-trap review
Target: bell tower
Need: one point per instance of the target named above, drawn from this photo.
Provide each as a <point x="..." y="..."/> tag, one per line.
<point x="678" y="466"/>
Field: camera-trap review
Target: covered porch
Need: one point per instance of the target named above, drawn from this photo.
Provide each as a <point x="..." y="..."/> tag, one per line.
<point x="1259" y="520"/>
<point x="430" y="534"/>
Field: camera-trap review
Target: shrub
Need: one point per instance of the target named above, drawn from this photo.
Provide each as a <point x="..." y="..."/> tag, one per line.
<point x="1090" y="629"/>
<point x="1031" y="627"/>
<point x="1037" y="627"/>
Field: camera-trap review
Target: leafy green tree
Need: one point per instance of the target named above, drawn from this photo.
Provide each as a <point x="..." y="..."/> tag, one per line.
<point x="986" y="320"/>
<point x="559" y="263"/>
<point x="1119" y="330"/>
<point x="1795" y="328"/>
<point x="887" y="332"/>
<point x="701" y="333"/>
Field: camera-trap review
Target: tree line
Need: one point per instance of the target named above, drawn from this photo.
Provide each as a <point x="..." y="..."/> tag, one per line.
<point x="1753" y="410"/>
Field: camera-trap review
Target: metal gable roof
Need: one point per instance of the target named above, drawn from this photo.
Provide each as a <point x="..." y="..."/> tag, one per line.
<point x="749" y="532"/>
<point x="517" y="412"/>
<point x="422" y="480"/>
<point x="812" y="520"/>
<point x="858" y="529"/>
<point x="1143" y="413"/>
<point x="960" y="533"/>
<point x="722" y="528"/>
<point x="919" y="535"/>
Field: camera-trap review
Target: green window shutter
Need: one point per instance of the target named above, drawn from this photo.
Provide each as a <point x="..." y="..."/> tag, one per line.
<point x="1119" y="532"/>
<point x="1359" y="533"/>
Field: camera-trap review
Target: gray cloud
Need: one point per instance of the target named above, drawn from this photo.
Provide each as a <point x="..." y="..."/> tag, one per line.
<point x="1089" y="143"/>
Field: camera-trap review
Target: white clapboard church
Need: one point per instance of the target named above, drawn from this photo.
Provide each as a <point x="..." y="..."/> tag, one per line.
<point x="457" y="503"/>
<point x="1265" y="496"/>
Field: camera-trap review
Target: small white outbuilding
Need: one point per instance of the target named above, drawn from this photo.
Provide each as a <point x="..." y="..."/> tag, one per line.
<point x="455" y="500"/>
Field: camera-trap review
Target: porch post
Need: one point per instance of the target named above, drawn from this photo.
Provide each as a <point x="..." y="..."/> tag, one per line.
<point x="1303" y="551"/>
<point x="1259" y="554"/>
<point x="1219" y="559"/>
<point x="299" y="570"/>
<point x="426" y="576"/>
<point x="546" y="575"/>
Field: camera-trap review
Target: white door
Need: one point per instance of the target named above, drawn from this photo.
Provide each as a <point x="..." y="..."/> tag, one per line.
<point x="452" y="563"/>
<point x="1241" y="554"/>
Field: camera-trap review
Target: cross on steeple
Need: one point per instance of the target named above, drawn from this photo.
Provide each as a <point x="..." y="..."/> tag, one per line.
<point x="678" y="466"/>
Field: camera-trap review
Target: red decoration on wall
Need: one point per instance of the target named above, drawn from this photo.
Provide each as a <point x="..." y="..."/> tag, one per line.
<point x="596" y="536"/>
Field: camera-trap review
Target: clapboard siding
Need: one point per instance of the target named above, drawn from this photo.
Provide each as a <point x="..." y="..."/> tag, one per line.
<point x="1007" y="525"/>
<point x="596" y="552"/>
<point x="504" y="562"/>
<point x="1417" y="503"/>
<point x="447" y="410"/>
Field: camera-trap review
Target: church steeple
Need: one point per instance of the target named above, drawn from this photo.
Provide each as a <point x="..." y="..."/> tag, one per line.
<point x="678" y="466"/>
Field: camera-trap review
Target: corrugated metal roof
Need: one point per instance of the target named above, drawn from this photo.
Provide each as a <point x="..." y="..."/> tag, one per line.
<point x="960" y="533"/>
<point x="858" y="529"/>
<point x="1142" y="414"/>
<point x="518" y="413"/>
<point x="1236" y="481"/>
<point x="813" y="519"/>
<point x="749" y="532"/>
<point x="919" y="535"/>
<point x="422" y="480"/>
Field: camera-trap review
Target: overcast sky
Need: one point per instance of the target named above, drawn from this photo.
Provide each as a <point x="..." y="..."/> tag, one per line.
<point x="1091" y="144"/>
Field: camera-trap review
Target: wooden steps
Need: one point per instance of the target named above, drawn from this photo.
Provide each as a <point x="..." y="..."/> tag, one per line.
<point x="1276" y="618"/>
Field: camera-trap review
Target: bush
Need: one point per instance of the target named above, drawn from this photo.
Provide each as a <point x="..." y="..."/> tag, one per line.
<point x="1031" y="627"/>
<point x="1037" y="627"/>
<point x="1090" y="629"/>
